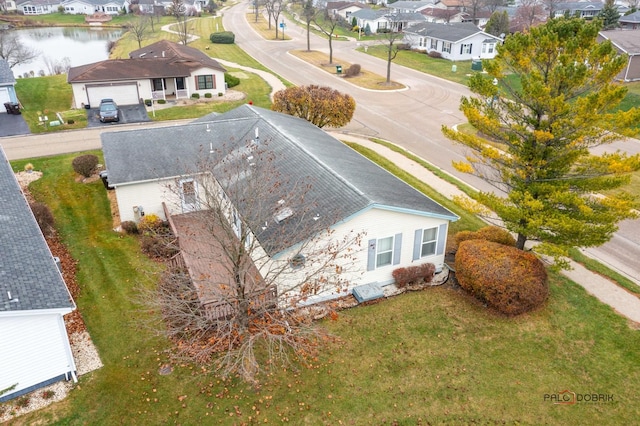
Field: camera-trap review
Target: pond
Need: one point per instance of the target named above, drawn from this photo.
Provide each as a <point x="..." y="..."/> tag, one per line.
<point x="57" y="47"/>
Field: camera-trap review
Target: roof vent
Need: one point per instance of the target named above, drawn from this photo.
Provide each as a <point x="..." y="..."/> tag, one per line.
<point x="283" y="214"/>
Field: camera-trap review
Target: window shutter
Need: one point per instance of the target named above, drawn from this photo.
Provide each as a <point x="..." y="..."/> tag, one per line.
<point x="417" y="244"/>
<point x="213" y="81"/>
<point x="461" y="47"/>
<point x="196" y="81"/>
<point x="371" y="255"/>
<point x="442" y="238"/>
<point x="397" y="246"/>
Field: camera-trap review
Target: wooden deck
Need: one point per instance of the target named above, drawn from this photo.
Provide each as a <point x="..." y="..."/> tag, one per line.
<point x="210" y="268"/>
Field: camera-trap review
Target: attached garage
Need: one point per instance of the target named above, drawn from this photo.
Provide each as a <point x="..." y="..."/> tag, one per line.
<point x="4" y="98"/>
<point x="121" y="93"/>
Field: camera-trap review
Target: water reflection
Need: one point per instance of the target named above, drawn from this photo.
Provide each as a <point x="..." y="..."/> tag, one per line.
<point x="73" y="45"/>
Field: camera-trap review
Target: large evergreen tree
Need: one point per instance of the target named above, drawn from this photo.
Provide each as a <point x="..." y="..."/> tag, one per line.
<point x="555" y="99"/>
<point x="498" y="24"/>
<point x="609" y="15"/>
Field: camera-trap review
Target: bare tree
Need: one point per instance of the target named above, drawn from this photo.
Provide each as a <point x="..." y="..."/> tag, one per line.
<point x="274" y="8"/>
<point x="328" y="25"/>
<point x="13" y="52"/>
<point x="493" y="5"/>
<point x="308" y="14"/>
<point x="179" y="11"/>
<point x="529" y="13"/>
<point x="57" y="66"/>
<point x="253" y="250"/>
<point x="551" y="6"/>
<point x="139" y="29"/>
<point x="391" y="40"/>
<point x="473" y="8"/>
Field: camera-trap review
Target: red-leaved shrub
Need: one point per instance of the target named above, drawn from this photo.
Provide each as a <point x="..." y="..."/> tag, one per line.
<point x="414" y="274"/>
<point x="488" y="233"/>
<point x="510" y="280"/>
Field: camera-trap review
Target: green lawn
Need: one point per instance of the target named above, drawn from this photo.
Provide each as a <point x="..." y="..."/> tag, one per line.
<point x="434" y="356"/>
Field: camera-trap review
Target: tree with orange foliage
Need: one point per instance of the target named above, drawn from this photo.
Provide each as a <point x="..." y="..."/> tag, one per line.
<point x="320" y="105"/>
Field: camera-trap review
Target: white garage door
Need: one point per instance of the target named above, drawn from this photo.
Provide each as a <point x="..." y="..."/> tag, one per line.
<point x="4" y="97"/>
<point x="123" y="94"/>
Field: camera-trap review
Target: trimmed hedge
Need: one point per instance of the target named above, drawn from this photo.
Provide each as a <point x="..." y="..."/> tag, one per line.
<point x="353" y="70"/>
<point x="488" y="233"/>
<point x="223" y="37"/>
<point x="510" y="280"/>
<point x="232" y="81"/>
<point x="44" y="217"/>
<point x="85" y="165"/>
<point x="414" y="274"/>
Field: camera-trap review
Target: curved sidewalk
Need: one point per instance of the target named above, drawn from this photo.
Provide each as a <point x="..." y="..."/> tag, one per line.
<point x="622" y="301"/>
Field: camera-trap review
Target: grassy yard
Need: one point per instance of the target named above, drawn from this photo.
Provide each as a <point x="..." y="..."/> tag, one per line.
<point x="433" y="356"/>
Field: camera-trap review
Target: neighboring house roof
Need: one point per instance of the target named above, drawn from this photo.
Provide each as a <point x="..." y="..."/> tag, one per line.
<point x="370" y="14"/>
<point x="6" y="75"/>
<point x="453" y="3"/>
<point x="448" y="32"/>
<point x="39" y="2"/>
<point x="627" y="41"/>
<point x="342" y="183"/>
<point x="27" y="268"/>
<point x="161" y="59"/>
<point x="92" y="2"/>
<point x="339" y="5"/>
<point x="632" y="18"/>
<point x="579" y="5"/>
<point x="414" y="6"/>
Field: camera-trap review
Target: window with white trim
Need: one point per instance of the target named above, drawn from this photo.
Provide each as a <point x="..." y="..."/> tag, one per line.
<point x="434" y="44"/>
<point x="446" y="47"/>
<point x="384" y="252"/>
<point x="465" y="49"/>
<point x="429" y="242"/>
<point x="488" y="47"/>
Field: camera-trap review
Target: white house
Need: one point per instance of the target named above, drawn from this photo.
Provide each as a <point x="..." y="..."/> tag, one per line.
<point x="38" y="7"/>
<point x="161" y="70"/>
<point x="89" y="7"/>
<point x="345" y="8"/>
<point x="456" y="41"/>
<point x="7" y="85"/>
<point x="34" y="349"/>
<point x="349" y="195"/>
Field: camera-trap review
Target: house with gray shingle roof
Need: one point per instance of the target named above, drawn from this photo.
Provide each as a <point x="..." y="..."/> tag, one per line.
<point x="161" y="70"/>
<point x="343" y="191"/>
<point x="34" y="348"/>
<point x="630" y="21"/>
<point x="7" y="85"/>
<point x="626" y="42"/>
<point x="455" y="41"/>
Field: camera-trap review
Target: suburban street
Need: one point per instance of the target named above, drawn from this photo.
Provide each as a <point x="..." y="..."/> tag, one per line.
<point x="411" y="118"/>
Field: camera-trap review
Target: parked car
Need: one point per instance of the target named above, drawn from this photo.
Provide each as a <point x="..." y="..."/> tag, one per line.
<point x="108" y="111"/>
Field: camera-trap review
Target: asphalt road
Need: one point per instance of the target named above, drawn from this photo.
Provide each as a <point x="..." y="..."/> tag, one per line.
<point x="411" y="118"/>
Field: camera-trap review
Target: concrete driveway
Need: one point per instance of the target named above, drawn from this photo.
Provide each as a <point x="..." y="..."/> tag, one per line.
<point x="128" y="114"/>
<point x="13" y="125"/>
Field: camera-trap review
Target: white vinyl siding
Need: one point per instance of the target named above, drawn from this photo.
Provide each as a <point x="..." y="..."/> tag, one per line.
<point x="34" y="349"/>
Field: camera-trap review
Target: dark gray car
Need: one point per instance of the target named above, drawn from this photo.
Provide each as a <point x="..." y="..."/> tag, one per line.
<point x="108" y="111"/>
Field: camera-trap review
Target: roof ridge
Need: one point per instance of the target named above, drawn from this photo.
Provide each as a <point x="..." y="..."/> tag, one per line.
<point x="283" y="131"/>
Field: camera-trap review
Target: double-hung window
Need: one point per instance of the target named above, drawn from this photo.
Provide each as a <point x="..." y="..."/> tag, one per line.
<point x="204" y="82"/>
<point x="429" y="240"/>
<point x="465" y="49"/>
<point x="384" y="252"/>
<point x="446" y="47"/>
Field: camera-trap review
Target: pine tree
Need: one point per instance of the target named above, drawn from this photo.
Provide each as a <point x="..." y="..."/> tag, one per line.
<point x="554" y="100"/>
<point x="609" y="15"/>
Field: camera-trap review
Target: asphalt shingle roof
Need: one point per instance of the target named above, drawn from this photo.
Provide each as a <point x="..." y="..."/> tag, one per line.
<point x="6" y="75"/>
<point x="449" y="32"/>
<point x="341" y="182"/>
<point x="158" y="60"/>
<point x="27" y="268"/>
